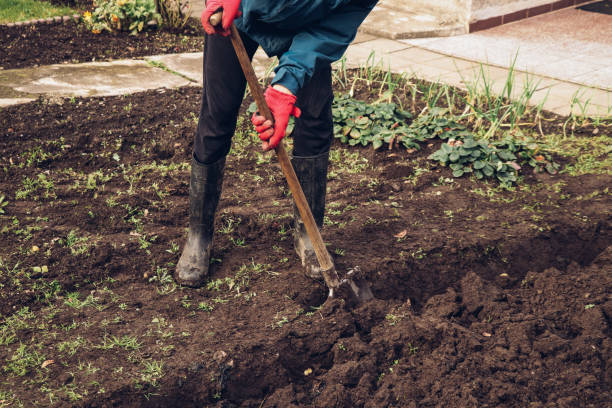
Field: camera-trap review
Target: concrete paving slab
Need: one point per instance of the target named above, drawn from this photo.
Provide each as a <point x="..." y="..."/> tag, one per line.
<point x="453" y="64"/>
<point x="191" y="65"/>
<point x="389" y="22"/>
<point x="187" y="64"/>
<point x="4" y="102"/>
<point x="415" y="55"/>
<point x="600" y="77"/>
<point x="90" y="79"/>
<point x="363" y="37"/>
<point x="564" y="98"/>
<point x="372" y="52"/>
<point x="570" y="45"/>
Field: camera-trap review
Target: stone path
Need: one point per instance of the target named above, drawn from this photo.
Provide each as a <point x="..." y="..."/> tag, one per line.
<point x="443" y="59"/>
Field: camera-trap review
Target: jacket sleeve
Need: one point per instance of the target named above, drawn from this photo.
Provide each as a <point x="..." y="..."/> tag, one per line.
<point x="322" y="43"/>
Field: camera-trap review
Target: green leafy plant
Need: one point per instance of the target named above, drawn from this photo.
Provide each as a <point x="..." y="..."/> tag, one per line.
<point x="478" y="157"/>
<point x="357" y="122"/>
<point x="436" y="124"/>
<point x="499" y="159"/>
<point x="121" y="15"/>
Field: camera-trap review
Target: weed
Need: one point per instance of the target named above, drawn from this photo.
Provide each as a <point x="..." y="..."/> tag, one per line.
<point x="162" y="276"/>
<point x="153" y="370"/>
<point x="393" y="319"/>
<point x="205" y="307"/>
<point x="185" y="302"/>
<point x="31" y="185"/>
<point x="280" y="323"/>
<point x="78" y="245"/>
<point x="10" y="325"/>
<point x="72" y="300"/>
<point x="126" y="342"/>
<point x="70" y="346"/>
<point x="23" y="361"/>
<point x="174" y="248"/>
<point x="3" y="203"/>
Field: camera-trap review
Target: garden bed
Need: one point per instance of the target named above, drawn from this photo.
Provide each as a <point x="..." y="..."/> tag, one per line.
<point x="70" y="42"/>
<point x="485" y="296"/>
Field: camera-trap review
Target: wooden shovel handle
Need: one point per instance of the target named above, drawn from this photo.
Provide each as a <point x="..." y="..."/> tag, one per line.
<point x="216" y="18"/>
<point x="327" y="267"/>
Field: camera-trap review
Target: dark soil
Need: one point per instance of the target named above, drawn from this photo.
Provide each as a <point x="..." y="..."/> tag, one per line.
<point x="484" y="297"/>
<point x="42" y="44"/>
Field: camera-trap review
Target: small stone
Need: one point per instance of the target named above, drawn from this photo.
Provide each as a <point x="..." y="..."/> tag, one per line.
<point x="10" y="25"/>
<point x="65" y="18"/>
<point x="19" y="23"/>
<point x="40" y="21"/>
<point x="76" y="17"/>
<point x="58" y="19"/>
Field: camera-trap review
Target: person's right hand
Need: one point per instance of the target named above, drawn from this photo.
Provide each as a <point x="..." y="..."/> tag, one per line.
<point x="282" y="105"/>
<point x="230" y="12"/>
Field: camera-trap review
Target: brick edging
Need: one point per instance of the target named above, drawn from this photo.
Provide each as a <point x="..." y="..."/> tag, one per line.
<point x="50" y="20"/>
<point x="522" y="14"/>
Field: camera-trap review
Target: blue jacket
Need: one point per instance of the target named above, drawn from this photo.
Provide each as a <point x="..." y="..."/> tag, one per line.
<point x="304" y="34"/>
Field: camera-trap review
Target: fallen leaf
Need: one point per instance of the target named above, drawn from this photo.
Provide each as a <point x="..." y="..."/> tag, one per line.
<point x="308" y="371"/>
<point x="35" y="248"/>
<point x="219" y="355"/>
<point x="401" y="234"/>
<point x="47" y="363"/>
<point x="486" y="334"/>
<point x="514" y="165"/>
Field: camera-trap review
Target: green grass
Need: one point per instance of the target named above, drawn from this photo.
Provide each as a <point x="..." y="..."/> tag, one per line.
<point x="22" y="10"/>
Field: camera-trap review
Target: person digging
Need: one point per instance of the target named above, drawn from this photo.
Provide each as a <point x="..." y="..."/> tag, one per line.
<point x="306" y="36"/>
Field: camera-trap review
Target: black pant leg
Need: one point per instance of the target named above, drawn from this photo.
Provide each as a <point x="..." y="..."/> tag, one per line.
<point x="314" y="129"/>
<point x="222" y="94"/>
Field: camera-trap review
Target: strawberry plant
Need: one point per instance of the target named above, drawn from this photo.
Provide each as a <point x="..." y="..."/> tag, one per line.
<point x="357" y="122"/>
<point x="478" y="157"/>
<point x="499" y="159"/>
<point x="530" y="153"/>
<point x="436" y="124"/>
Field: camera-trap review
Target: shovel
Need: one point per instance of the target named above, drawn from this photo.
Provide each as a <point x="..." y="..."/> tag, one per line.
<point x="345" y="288"/>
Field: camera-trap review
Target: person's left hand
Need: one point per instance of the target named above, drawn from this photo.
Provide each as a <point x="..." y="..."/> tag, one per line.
<point x="282" y="105"/>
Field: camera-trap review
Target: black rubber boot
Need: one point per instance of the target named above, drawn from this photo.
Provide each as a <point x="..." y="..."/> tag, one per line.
<point x="204" y="191"/>
<point x="312" y="174"/>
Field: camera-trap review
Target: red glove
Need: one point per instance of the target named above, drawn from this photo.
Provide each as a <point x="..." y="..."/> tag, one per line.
<point x="230" y="12"/>
<point x="282" y="106"/>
